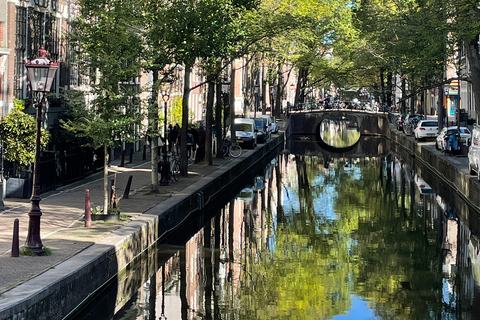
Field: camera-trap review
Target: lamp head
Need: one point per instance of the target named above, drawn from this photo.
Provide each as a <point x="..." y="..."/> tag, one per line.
<point x="41" y="72"/>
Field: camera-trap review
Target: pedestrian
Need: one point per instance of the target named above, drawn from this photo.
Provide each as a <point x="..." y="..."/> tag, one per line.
<point x="200" y="156"/>
<point x="190" y="143"/>
<point x="174" y="138"/>
<point x="169" y="138"/>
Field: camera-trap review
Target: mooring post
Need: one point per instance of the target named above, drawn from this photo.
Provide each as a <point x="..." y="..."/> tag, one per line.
<point x="122" y="161"/>
<point x="88" y="209"/>
<point x="131" y="156"/>
<point x="127" y="188"/>
<point x="15" y="241"/>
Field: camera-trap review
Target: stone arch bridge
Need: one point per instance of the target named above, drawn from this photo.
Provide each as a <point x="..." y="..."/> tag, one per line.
<point x="308" y="123"/>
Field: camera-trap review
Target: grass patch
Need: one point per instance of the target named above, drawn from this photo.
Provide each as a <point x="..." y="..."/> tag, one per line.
<point x="26" y="251"/>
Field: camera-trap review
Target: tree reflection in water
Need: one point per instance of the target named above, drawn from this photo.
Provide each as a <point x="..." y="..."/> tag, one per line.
<point x="353" y="239"/>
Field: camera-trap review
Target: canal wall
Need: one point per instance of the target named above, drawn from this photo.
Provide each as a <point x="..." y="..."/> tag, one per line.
<point x="451" y="171"/>
<point x="77" y="279"/>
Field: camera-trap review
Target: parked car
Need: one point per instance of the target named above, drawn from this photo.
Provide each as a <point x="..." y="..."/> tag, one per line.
<point x="410" y="123"/>
<point x="465" y="136"/>
<point x="426" y="129"/>
<point x="262" y="131"/>
<point x="271" y="124"/>
<point x="267" y="119"/>
<point x="245" y="132"/>
<point x="474" y="152"/>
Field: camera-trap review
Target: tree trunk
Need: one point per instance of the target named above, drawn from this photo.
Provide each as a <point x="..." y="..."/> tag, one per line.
<point x="278" y="102"/>
<point x="471" y="47"/>
<point x="263" y="91"/>
<point x="208" y="122"/>
<point x="153" y="132"/>
<point x="232" y="101"/>
<point x="183" y="130"/>
<point x="389" y="89"/>
<point x="105" y="177"/>
<point x="218" y="119"/>
<point x="440" y="109"/>
<point x="382" y="85"/>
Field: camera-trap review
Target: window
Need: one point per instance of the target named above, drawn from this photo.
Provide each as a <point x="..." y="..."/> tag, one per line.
<point x="20" y="46"/>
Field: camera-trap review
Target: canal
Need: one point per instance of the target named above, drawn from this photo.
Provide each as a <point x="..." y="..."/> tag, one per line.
<point x="312" y="236"/>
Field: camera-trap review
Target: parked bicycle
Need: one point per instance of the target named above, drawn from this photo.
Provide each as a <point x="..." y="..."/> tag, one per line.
<point x="174" y="167"/>
<point x="231" y="148"/>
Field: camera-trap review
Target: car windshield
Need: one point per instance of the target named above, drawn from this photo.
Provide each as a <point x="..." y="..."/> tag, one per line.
<point x="259" y="123"/>
<point x="243" y="127"/>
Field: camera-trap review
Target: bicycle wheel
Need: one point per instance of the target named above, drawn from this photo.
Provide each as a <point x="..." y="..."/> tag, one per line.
<point x="224" y="150"/>
<point x="175" y="170"/>
<point x="235" y="150"/>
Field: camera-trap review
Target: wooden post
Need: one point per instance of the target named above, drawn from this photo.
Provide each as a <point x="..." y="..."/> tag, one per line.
<point x="88" y="209"/>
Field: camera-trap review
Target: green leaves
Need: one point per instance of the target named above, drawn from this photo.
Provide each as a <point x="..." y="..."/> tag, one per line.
<point x="18" y="133"/>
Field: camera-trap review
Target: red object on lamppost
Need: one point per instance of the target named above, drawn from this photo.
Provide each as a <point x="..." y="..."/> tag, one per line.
<point x="41" y="72"/>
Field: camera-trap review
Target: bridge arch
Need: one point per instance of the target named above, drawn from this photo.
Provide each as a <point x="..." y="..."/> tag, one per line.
<point x="308" y="123"/>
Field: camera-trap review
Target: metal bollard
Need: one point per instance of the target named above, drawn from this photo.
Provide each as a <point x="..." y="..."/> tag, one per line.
<point x="144" y="155"/>
<point x="127" y="188"/>
<point x="15" y="241"/>
<point x="122" y="161"/>
<point x="131" y="156"/>
<point x="88" y="209"/>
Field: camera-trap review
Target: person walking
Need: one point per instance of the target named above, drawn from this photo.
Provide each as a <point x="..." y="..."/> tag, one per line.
<point x="200" y="156"/>
<point x="173" y="138"/>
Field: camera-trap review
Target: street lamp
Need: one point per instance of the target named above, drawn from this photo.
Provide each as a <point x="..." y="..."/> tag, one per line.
<point x="41" y="73"/>
<point x="165" y="172"/>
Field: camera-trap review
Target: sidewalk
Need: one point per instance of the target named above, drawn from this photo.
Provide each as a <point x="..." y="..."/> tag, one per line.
<point x="62" y="225"/>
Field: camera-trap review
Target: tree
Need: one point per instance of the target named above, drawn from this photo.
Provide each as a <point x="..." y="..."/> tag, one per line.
<point x="18" y="133"/>
<point x="108" y="46"/>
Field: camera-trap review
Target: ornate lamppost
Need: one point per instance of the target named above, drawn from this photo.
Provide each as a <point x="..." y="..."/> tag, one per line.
<point x="41" y="72"/>
<point x="165" y="172"/>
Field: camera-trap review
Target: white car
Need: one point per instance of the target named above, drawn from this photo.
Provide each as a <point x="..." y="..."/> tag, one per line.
<point x="426" y="129"/>
<point x="465" y="136"/>
<point x="245" y="132"/>
<point x="474" y="152"/>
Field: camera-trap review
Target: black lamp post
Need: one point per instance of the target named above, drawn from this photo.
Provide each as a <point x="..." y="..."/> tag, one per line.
<point x="165" y="172"/>
<point x="41" y="73"/>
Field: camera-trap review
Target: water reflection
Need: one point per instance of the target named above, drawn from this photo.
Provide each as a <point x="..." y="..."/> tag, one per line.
<point x="339" y="133"/>
<point x="314" y="238"/>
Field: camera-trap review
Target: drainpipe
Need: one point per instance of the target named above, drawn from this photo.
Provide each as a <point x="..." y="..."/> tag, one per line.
<point x="4" y="52"/>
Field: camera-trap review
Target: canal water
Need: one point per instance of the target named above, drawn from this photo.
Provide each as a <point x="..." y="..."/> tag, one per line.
<point x="312" y="236"/>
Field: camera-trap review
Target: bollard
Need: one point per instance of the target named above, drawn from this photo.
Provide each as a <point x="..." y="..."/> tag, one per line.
<point x="144" y="156"/>
<point x="122" y="161"/>
<point x="15" y="241"/>
<point x="113" y="196"/>
<point x="131" y="156"/>
<point x="88" y="209"/>
<point x="127" y="188"/>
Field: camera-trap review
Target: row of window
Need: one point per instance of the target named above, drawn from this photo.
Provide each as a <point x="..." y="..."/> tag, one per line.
<point x="32" y="30"/>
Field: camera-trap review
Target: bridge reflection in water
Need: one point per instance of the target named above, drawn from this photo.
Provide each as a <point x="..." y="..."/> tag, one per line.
<point x="339" y="133"/>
